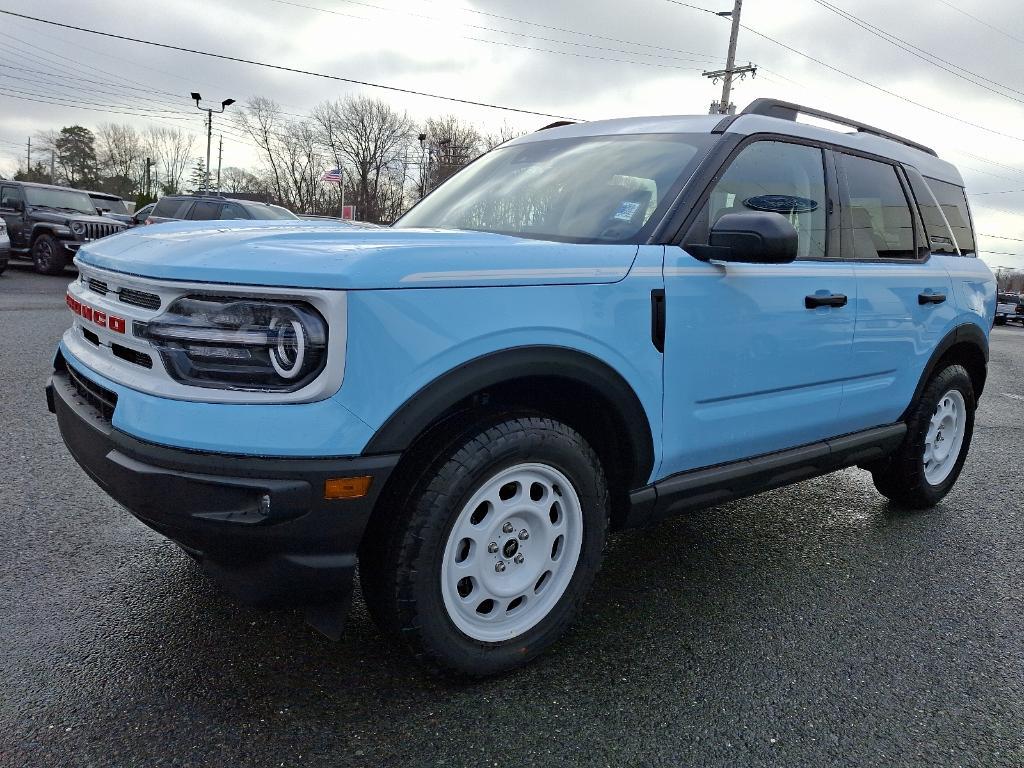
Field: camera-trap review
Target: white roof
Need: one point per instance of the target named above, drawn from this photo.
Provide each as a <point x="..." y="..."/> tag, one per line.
<point x="746" y="125"/>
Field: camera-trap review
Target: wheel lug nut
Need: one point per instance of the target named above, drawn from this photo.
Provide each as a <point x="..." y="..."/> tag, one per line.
<point x="519" y="559"/>
<point x="507" y="528"/>
<point x="492" y="547"/>
<point x="524" y="535"/>
<point x="499" y="566"/>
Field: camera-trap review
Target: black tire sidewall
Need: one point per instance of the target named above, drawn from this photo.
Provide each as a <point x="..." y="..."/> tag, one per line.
<point x="552" y="444"/>
<point x="905" y="478"/>
<point x="58" y="259"/>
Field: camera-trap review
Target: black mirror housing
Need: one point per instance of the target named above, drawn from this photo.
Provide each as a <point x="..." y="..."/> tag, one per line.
<point x="751" y="237"/>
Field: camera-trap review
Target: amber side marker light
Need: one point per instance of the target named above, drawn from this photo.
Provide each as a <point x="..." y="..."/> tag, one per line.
<point x="347" y="487"/>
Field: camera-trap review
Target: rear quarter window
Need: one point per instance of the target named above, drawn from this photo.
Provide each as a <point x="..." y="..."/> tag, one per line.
<point x="953" y="201"/>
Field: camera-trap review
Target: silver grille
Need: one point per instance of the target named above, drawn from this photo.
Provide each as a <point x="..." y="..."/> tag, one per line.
<point x="94" y="230"/>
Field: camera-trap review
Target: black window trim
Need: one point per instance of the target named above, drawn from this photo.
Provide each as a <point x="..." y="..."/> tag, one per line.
<point x="920" y="235"/>
<point x="696" y="203"/>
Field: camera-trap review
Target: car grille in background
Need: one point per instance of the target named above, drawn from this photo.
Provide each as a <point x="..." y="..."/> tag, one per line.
<point x="98" y="286"/>
<point x="139" y="298"/>
<point x="94" y="231"/>
<point x="100" y="398"/>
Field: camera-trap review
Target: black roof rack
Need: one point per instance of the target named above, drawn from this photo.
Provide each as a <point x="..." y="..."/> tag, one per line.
<point x="556" y="124"/>
<point x="785" y="110"/>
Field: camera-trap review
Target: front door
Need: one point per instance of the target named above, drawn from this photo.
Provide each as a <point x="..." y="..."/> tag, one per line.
<point x="752" y="365"/>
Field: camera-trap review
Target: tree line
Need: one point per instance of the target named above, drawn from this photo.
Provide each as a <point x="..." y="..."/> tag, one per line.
<point x="388" y="160"/>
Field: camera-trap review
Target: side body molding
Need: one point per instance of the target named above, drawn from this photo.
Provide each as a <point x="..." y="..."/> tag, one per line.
<point x="423" y="408"/>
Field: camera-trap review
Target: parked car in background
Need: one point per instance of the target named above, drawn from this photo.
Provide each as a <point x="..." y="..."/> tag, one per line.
<point x="213" y="207"/>
<point x="111" y="206"/>
<point x="140" y="216"/>
<point x="5" y="247"/>
<point x="1009" y="306"/>
<point x="337" y="220"/>
<point x="48" y="224"/>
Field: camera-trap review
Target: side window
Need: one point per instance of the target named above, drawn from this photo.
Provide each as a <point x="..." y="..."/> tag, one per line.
<point x="233" y="211"/>
<point x="9" y="196"/>
<point x="940" y="239"/>
<point x="172" y="208"/>
<point x="953" y="200"/>
<point x="204" y="211"/>
<point x="883" y="226"/>
<point x="774" y="176"/>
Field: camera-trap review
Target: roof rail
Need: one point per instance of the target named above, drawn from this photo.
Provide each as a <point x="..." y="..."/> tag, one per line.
<point x="785" y="110"/>
<point x="556" y="124"/>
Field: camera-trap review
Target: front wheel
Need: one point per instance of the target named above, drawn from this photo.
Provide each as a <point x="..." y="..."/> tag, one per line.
<point x="925" y="467"/>
<point x="494" y="546"/>
<point x="48" y="255"/>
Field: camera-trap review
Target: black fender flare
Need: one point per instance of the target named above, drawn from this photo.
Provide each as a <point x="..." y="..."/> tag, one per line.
<point x="414" y="416"/>
<point x="46" y="228"/>
<point x="967" y="333"/>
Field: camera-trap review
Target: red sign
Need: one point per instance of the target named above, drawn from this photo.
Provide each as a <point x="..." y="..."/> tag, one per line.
<point x="95" y="316"/>
<point x="348" y="212"/>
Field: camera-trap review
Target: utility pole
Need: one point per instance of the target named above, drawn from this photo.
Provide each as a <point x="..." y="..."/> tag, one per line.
<point x="209" y="130"/>
<point x="220" y="158"/>
<point x="53" y="166"/>
<point x="28" y="157"/>
<point x="149" y="162"/>
<point x="725" y="107"/>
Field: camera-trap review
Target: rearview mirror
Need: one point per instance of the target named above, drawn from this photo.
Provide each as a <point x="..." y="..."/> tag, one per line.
<point x="754" y="237"/>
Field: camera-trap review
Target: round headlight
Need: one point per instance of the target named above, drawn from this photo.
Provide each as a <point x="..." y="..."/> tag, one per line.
<point x="78" y="227"/>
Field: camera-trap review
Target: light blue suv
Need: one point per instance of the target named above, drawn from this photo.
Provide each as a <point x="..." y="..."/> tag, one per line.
<point x="589" y="328"/>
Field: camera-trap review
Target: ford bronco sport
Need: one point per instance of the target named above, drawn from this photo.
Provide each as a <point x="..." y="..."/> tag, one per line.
<point x="590" y="328"/>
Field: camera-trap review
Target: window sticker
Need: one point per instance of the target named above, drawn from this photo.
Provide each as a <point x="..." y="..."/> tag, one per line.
<point x="781" y="204"/>
<point x="627" y="210"/>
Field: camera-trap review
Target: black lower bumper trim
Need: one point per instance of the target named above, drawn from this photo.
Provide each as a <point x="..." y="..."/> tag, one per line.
<point x="259" y="526"/>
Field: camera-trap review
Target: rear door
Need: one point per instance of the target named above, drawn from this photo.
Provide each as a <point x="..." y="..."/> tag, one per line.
<point x="905" y="301"/>
<point x="752" y="365"/>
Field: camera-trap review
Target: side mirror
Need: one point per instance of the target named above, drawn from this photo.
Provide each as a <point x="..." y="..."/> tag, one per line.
<point x="754" y="237"/>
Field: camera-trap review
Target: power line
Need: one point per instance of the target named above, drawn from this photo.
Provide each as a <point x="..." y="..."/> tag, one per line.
<point x="282" y="68"/>
<point x="927" y="56"/>
<point x="999" y="192"/>
<point x="435" y="19"/>
<point x="1002" y="237"/>
<point x="981" y="21"/>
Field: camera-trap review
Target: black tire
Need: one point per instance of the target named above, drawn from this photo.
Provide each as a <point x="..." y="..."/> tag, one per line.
<point x="1000" y="321"/>
<point x="901" y="478"/>
<point x="3" y="265"/>
<point x="400" y="563"/>
<point x="49" y="255"/>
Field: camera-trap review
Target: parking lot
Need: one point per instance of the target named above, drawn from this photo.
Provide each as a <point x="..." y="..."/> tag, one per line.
<point x="808" y="626"/>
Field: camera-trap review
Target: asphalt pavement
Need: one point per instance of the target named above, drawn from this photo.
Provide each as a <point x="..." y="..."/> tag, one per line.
<point x="809" y="626"/>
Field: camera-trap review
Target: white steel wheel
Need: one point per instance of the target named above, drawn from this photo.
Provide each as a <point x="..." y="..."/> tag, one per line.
<point x="512" y="552"/>
<point x="945" y="437"/>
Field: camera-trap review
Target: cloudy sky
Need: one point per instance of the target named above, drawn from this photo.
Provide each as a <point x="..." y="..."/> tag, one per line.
<point x="580" y="58"/>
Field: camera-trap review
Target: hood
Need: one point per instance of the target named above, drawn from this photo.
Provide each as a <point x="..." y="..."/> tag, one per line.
<point x="313" y="254"/>
<point x="62" y="217"/>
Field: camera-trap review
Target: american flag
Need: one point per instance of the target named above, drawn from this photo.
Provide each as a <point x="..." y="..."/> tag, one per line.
<point x="332" y="176"/>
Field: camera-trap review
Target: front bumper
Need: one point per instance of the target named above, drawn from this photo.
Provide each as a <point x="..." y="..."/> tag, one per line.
<point x="260" y="526"/>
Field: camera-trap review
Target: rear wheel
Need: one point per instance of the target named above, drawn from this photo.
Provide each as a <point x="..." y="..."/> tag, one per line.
<point x="48" y="255"/>
<point x="494" y="546"/>
<point x="939" y="431"/>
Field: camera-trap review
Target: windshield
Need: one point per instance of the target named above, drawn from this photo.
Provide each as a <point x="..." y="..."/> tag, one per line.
<point x="114" y="205"/>
<point x="592" y="189"/>
<point x="61" y="199"/>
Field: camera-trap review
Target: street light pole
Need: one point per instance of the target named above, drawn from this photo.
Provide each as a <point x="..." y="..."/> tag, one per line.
<point x="209" y="130"/>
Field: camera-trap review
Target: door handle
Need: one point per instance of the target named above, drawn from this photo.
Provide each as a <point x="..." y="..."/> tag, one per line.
<point x="931" y="298"/>
<point x="825" y="300"/>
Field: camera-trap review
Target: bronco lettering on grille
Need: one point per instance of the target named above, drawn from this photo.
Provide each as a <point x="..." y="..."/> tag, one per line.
<point x="96" y="316"/>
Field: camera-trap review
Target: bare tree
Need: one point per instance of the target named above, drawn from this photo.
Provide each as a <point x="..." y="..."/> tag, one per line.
<point x="121" y="156"/>
<point x="262" y="120"/>
<point x="371" y="140"/>
<point x="499" y="137"/>
<point x="171" y="151"/>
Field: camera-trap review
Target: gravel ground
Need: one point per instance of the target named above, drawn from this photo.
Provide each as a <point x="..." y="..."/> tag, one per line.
<point x="808" y="626"/>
